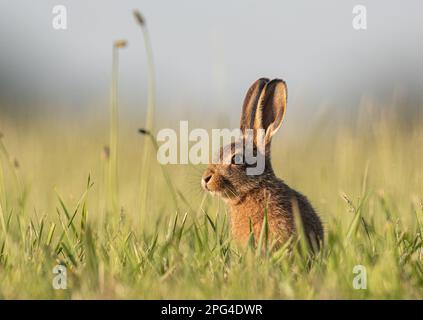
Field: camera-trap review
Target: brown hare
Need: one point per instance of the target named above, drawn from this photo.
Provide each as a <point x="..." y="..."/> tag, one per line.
<point x="249" y="196"/>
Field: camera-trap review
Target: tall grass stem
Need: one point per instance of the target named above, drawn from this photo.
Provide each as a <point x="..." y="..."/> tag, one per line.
<point x="149" y="120"/>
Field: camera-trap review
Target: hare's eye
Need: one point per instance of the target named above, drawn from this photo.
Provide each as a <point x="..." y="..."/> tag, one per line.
<point x="237" y="159"/>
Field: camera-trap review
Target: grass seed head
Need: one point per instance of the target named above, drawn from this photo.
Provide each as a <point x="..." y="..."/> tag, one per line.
<point x="139" y="18"/>
<point x="106" y="153"/>
<point x="16" y="163"/>
<point x="144" y="131"/>
<point x="120" y="44"/>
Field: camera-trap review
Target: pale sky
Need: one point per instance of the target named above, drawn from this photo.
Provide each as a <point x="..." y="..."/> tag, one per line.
<point x="208" y="53"/>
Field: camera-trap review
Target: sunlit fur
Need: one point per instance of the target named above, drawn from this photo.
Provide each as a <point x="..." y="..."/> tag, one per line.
<point x="248" y="197"/>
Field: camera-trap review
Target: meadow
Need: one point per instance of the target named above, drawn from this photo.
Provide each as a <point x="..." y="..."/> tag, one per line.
<point x="58" y="205"/>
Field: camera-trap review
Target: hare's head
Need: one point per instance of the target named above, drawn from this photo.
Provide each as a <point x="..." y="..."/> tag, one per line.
<point x="243" y="164"/>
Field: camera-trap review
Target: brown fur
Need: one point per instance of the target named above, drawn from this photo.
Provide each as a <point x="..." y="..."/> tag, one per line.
<point x="248" y="197"/>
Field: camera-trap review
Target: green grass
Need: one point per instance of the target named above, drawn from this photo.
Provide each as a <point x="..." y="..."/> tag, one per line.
<point x="365" y="177"/>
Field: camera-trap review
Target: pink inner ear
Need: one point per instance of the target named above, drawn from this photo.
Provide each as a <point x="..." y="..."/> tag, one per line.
<point x="273" y="106"/>
<point x="250" y="104"/>
<point x="268" y="116"/>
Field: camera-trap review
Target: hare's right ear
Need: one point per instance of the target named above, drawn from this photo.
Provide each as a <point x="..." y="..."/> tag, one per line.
<point x="250" y="104"/>
<point x="271" y="108"/>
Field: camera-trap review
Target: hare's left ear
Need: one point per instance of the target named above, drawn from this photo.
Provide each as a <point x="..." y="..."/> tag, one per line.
<point x="271" y="108"/>
<point x="250" y="104"/>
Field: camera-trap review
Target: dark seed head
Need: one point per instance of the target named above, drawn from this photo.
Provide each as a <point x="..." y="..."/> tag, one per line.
<point x="144" y="131"/>
<point x="106" y="153"/>
<point x="139" y="18"/>
<point x="16" y="163"/>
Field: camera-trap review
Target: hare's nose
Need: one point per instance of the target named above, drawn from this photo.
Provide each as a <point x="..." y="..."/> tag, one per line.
<point x="206" y="178"/>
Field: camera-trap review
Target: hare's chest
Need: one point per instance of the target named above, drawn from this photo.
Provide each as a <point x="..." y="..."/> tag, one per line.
<point x="250" y="216"/>
<point x="243" y="218"/>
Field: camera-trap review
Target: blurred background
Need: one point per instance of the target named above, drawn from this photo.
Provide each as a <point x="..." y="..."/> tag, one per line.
<point x="354" y="97"/>
<point x="351" y="142"/>
<point x="207" y="54"/>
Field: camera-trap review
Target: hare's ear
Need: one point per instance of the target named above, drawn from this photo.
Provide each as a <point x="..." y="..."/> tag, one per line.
<point x="271" y="108"/>
<point x="250" y="104"/>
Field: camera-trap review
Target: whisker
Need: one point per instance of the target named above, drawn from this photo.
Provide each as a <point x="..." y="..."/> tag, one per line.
<point x="234" y="193"/>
